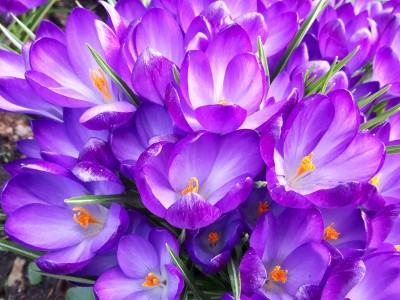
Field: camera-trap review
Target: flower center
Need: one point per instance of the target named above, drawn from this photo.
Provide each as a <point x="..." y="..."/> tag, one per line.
<point x="84" y="217"/>
<point x="262" y="208"/>
<point x="193" y="186"/>
<point x="278" y="275"/>
<point x="397" y="247"/>
<point x="100" y="82"/>
<point x="213" y="238"/>
<point x="330" y="233"/>
<point x="151" y="280"/>
<point x="306" y="165"/>
<point x="375" y="180"/>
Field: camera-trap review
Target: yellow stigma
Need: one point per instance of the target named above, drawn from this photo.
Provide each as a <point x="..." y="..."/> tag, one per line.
<point x="278" y="275"/>
<point x="151" y="280"/>
<point x="262" y="208"/>
<point x="213" y="238"/>
<point x="84" y="217"/>
<point x="330" y="233"/>
<point x="397" y="247"/>
<point x="192" y="188"/>
<point x="100" y="82"/>
<point x="375" y="180"/>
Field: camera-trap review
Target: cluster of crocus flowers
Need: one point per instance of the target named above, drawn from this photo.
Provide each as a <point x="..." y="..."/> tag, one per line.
<point x="231" y="157"/>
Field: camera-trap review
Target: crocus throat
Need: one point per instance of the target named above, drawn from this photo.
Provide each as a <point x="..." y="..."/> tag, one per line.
<point x="262" y="208"/>
<point x="306" y="165"/>
<point x="330" y="233"/>
<point x="84" y="217"/>
<point x="375" y="180"/>
<point x="100" y="82"/>
<point x="278" y="275"/>
<point x="151" y="280"/>
<point x="193" y="186"/>
<point x="213" y="238"/>
<point x="397" y="247"/>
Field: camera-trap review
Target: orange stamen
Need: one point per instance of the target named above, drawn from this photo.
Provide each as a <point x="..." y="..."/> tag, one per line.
<point x="84" y="217"/>
<point x="262" y="208"/>
<point x="100" y="82"/>
<point x="213" y="238"/>
<point x="278" y="275"/>
<point x="151" y="280"/>
<point x="375" y="180"/>
<point x="330" y="233"/>
<point x="192" y="188"/>
<point x="306" y="165"/>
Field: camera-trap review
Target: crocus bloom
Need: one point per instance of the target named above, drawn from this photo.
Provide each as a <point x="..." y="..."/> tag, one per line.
<point x="320" y="139"/>
<point x="377" y="277"/>
<point x="65" y="73"/>
<point x="285" y="254"/>
<point x="145" y="270"/>
<point x="211" y="246"/>
<point x="191" y="187"/>
<point x="72" y="235"/>
<point x="19" y="6"/>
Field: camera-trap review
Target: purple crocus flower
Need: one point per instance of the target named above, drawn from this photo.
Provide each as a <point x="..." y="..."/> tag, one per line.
<point x="222" y="89"/>
<point x="145" y="270"/>
<point x="190" y="187"/>
<point x="341" y="30"/>
<point x="19" y="6"/>
<point x="151" y="124"/>
<point x="210" y="247"/>
<point x="64" y="72"/>
<point x="318" y="141"/>
<point x="15" y="93"/>
<point x="376" y="277"/>
<point x="285" y="253"/>
<point x="72" y="235"/>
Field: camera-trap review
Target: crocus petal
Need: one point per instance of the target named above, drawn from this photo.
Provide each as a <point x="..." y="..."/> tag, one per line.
<point x="191" y="212"/>
<point x="98" y="151"/>
<point x="32" y="226"/>
<point x="49" y="29"/>
<point x="107" y="116"/>
<point x="158" y="237"/>
<point x="252" y="272"/>
<point x="332" y="39"/>
<point x="137" y="257"/>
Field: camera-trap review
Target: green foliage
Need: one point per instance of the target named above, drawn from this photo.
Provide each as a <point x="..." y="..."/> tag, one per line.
<point x="33" y="275"/>
<point x="80" y="293"/>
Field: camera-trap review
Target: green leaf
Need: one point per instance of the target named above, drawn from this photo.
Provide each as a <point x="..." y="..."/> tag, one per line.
<point x="186" y="275"/>
<point x="314" y="88"/>
<point x="364" y="102"/>
<point x="112" y="2"/>
<point x="329" y="75"/>
<point x="182" y="237"/>
<point x="33" y="275"/>
<point x="34" y="268"/>
<point x="3" y="216"/>
<point x="24" y="27"/>
<point x="234" y="277"/>
<point x="299" y="36"/>
<point x="20" y="250"/>
<point x="392" y="149"/>
<point x="114" y="76"/>
<point x="11" y="37"/>
<point x="259" y="184"/>
<point x="40" y="14"/>
<point x="263" y="58"/>
<point x="80" y="293"/>
<point x="101" y="199"/>
<point x="176" y="74"/>
<point x="380" y="118"/>
<point x="1" y="227"/>
<point x="78" y="3"/>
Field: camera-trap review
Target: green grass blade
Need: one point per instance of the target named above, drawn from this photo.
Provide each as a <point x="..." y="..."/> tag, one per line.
<point x="24" y="27"/>
<point x="392" y="149"/>
<point x="380" y="118"/>
<point x="329" y="75"/>
<point x="263" y="58"/>
<point x="63" y="277"/>
<point x="299" y="36"/>
<point x="234" y="277"/>
<point x="114" y="76"/>
<point x="93" y="199"/>
<point x="186" y="275"/>
<point x="20" y="250"/>
<point x="364" y="102"/>
<point x="176" y="74"/>
<point x="11" y="37"/>
<point x="41" y="12"/>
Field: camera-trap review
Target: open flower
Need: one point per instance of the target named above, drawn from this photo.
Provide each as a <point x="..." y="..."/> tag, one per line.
<point x="320" y="140"/>
<point x="192" y="183"/>
<point x="19" y="6"/>
<point x="145" y="269"/>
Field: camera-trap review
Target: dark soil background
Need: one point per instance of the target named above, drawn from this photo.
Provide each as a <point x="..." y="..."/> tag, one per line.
<point x="14" y="283"/>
